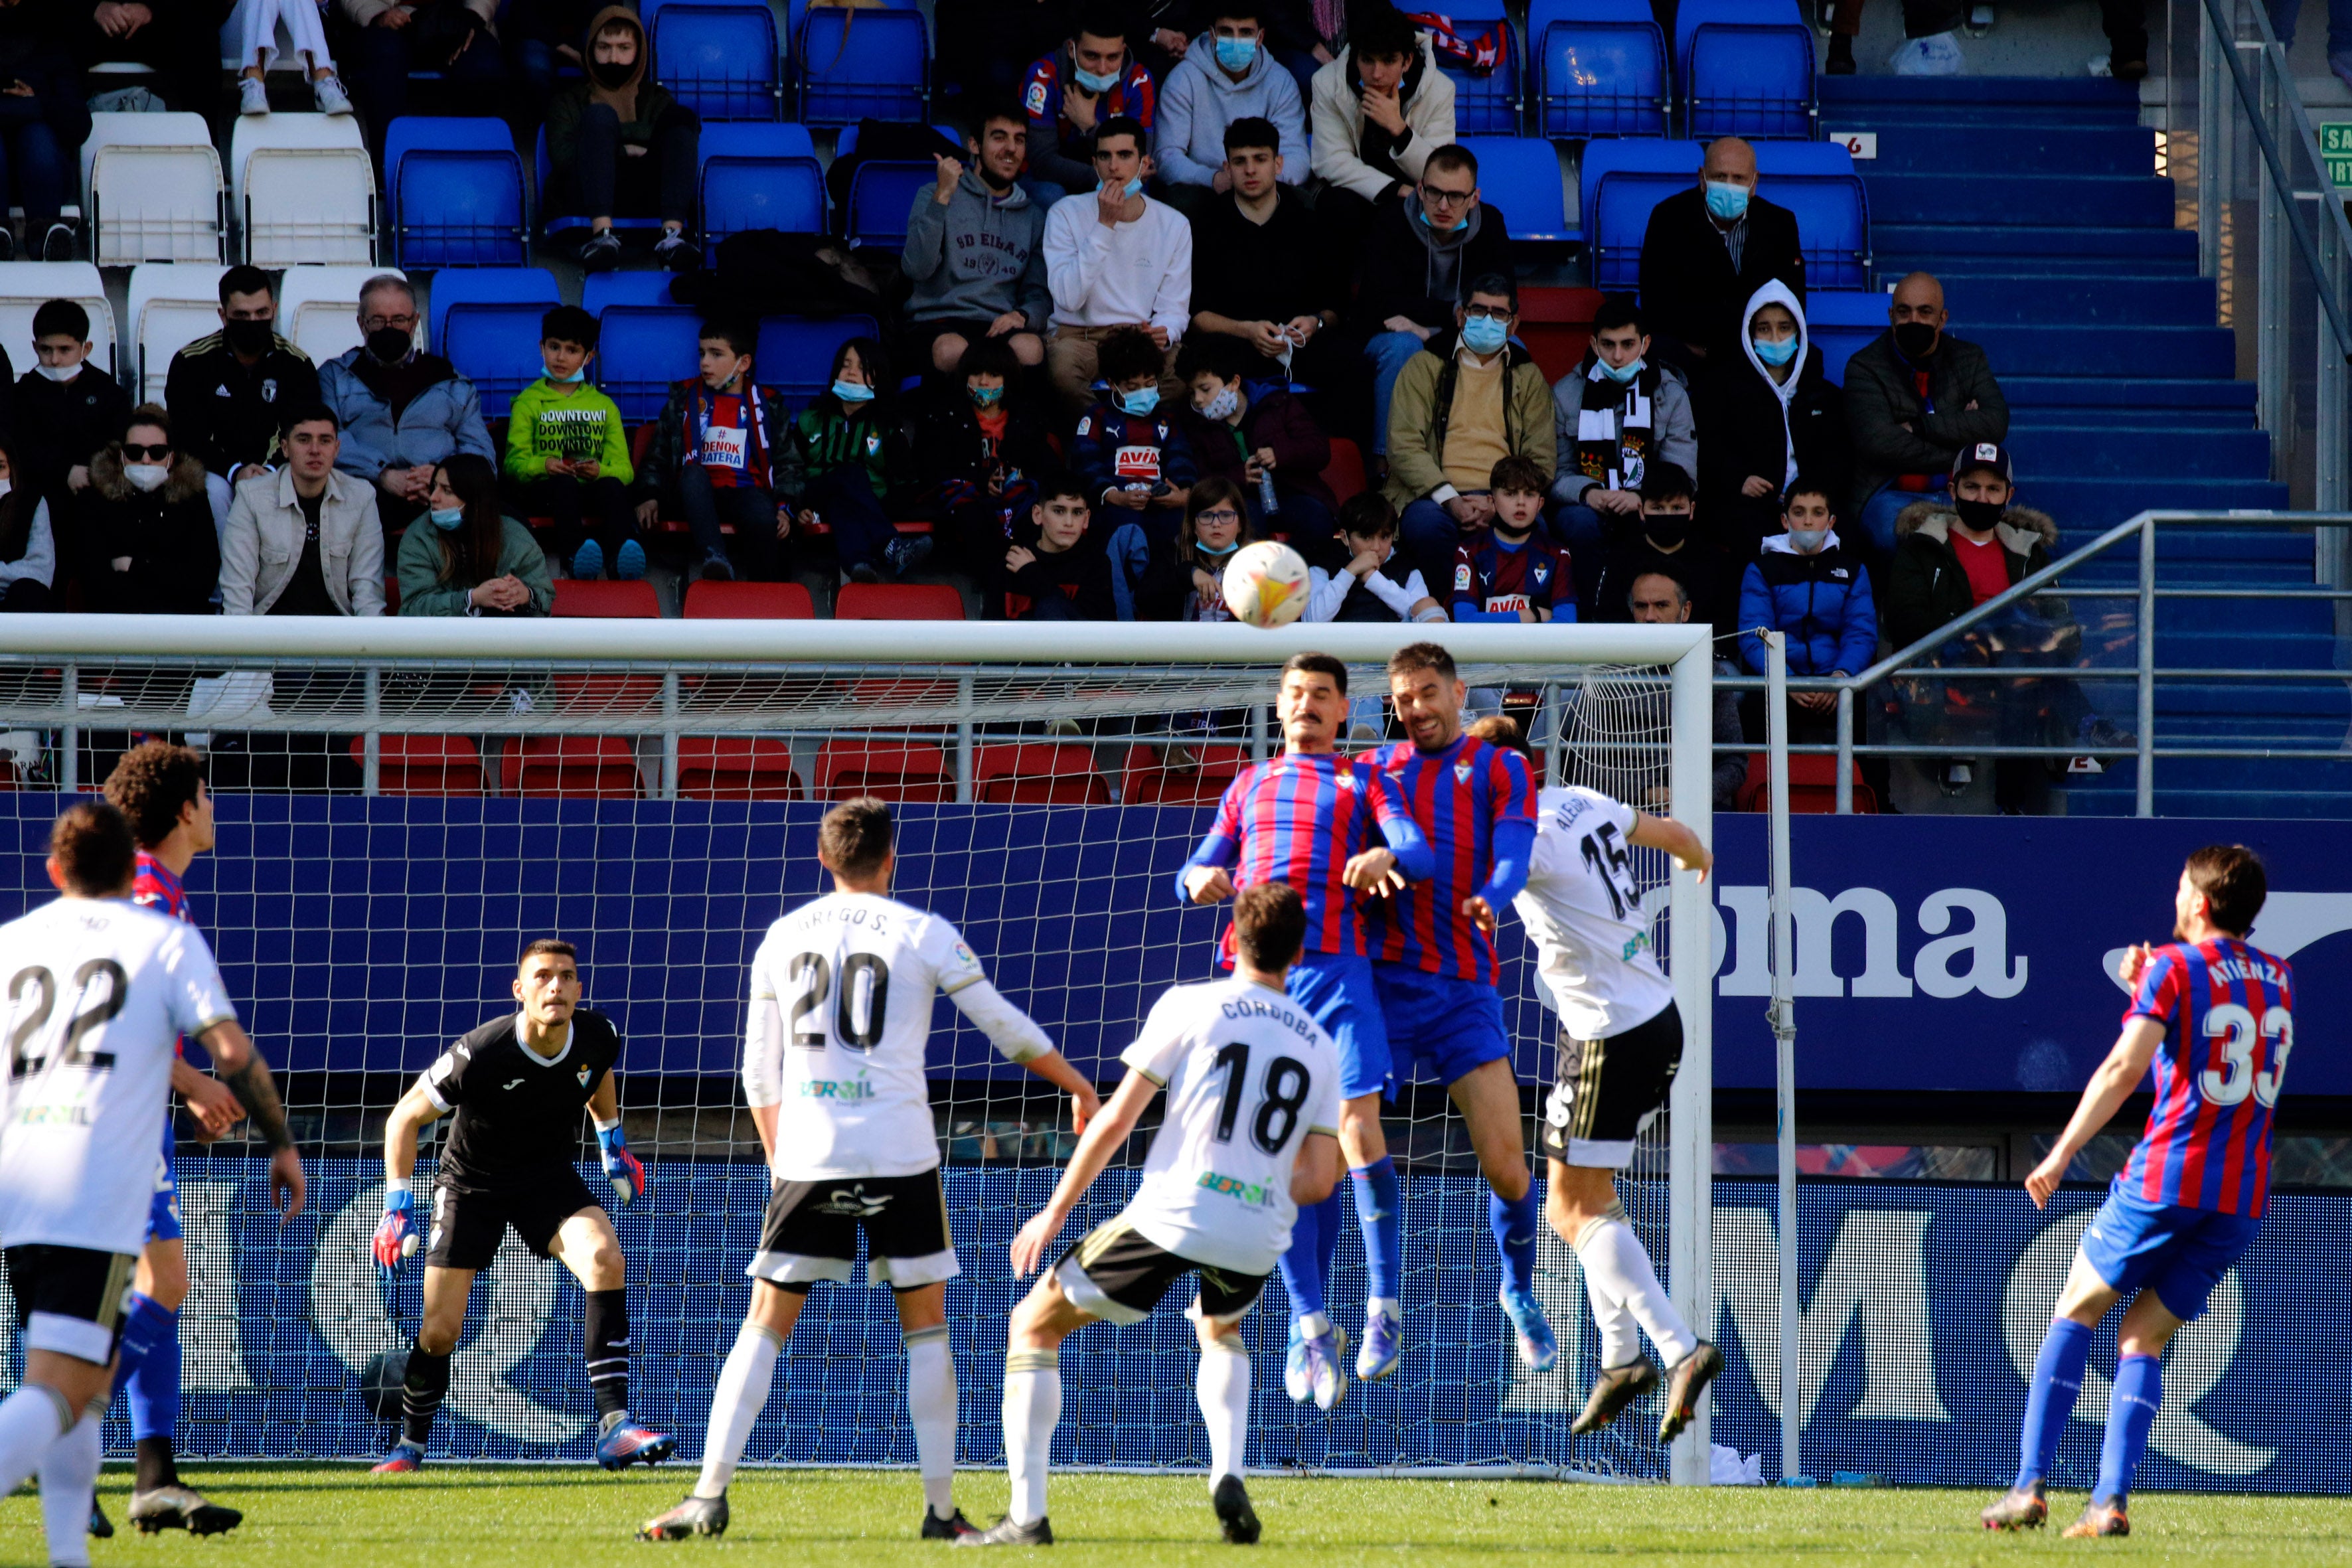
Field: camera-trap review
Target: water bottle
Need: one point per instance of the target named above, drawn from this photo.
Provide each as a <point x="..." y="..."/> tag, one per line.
<point x="1265" y="497"/>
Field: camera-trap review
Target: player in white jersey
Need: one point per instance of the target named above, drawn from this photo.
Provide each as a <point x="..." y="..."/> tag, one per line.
<point x="833" y="1068"/>
<point x="98" y="992"/>
<point x="1621" y="1043"/>
<point x="1251" y="1135"/>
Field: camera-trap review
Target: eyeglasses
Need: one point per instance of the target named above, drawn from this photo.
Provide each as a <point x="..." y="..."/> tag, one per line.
<point x="1432" y="196"/>
<point x="147" y="454"/>
<point x="1223" y="514"/>
<point x="378" y="323"/>
<point x="1487" y="312"/>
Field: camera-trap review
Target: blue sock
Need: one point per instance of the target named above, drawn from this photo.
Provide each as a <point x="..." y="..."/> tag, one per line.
<point x="2131" y="1411"/>
<point x="151" y="1368"/>
<point x="2050" y="1403"/>
<point x="1326" y="1237"/>
<point x="1302" y="1275"/>
<point x="1514" y="1224"/>
<point x="1380" y="1205"/>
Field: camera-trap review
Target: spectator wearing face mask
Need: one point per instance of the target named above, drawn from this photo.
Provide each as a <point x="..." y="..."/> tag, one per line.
<point x="144" y="525"/>
<point x="1264" y="440"/>
<point x="1709" y="250"/>
<point x="979" y="444"/>
<point x="228" y="391"/>
<point x="1915" y="396"/>
<point x="1135" y="462"/>
<point x="1375" y="583"/>
<point x="1804" y="582"/>
<point x="854" y="445"/>
<point x="568" y="455"/>
<point x="1226" y="75"/>
<point x="1615" y="416"/>
<point x="1665" y="537"/>
<point x="402" y="410"/>
<point x="473" y="560"/>
<point x="1769" y="413"/>
<point x="1071" y="94"/>
<point x="1114" y="260"/>
<point x="66" y="407"/>
<point x="1191" y="586"/>
<point x="618" y="142"/>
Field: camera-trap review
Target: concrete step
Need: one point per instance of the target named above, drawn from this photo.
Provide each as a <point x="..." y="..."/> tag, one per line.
<point x="2179" y="401"/>
<point x="2173" y="352"/>
<point x="2075" y="451"/>
<point x="1944" y="246"/>
<point x="2023" y="201"/>
<point x="1926" y="148"/>
<point x="2081" y="301"/>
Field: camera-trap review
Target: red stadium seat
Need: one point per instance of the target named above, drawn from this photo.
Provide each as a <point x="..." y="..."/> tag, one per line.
<point x="1557" y="324"/>
<point x="598" y="767"/>
<point x="607" y="601"/>
<point x="1812" y="786"/>
<point x="423" y="764"/>
<point x="884" y="768"/>
<point x="1147" y="780"/>
<point x="736" y="767"/>
<point x="1345" y="472"/>
<point x="716" y="601"/>
<point x="1037" y="773"/>
<point x="898" y="602"/>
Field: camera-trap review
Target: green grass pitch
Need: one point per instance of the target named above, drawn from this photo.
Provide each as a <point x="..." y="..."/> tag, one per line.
<point x="452" y="1516"/>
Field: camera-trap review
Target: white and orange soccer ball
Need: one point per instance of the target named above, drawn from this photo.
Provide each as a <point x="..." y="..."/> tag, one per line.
<point x="1266" y="584"/>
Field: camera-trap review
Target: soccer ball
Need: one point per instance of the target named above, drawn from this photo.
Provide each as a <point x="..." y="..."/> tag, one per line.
<point x="1266" y="584"/>
<point x="381" y="1382"/>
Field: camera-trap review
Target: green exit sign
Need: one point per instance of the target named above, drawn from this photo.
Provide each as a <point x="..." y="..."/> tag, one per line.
<point x="2335" y="148"/>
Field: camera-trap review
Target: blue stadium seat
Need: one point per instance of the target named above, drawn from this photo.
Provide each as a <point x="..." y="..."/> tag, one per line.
<point x="720" y="58"/>
<point x="1599" y="68"/>
<point x="1816" y="181"/>
<point x="1486" y="102"/>
<point x="456" y="192"/>
<point x="882" y="192"/>
<point x="488" y="286"/>
<point x="1521" y="175"/>
<point x="1746" y="67"/>
<point x="759" y="176"/>
<point x="1620" y="183"/>
<point x="860" y="65"/>
<point x="1839" y="321"/>
<point x="643" y="350"/>
<point x="607" y="289"/>
<point x="795" y="355"/>
<point x="496" y="347"/>
<point x="558" y="221"/>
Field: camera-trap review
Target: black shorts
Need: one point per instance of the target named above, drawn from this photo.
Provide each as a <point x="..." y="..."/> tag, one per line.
<point x="812" y="1228"/>
<point x="70" y="1299"/>
<point x="1606" y="1090"/>
<point x="1117" y="1274"/>
<point x="469" y="1224"/>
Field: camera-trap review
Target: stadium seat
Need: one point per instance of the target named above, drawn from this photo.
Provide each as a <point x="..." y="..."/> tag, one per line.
<point x="319" y="308"/>
<point x="597" y="767"/>
<point x="1037" y="773"/>
<point x="796" y="353"/>
<point x="718" y="57"/>
<point x="1523" y="178"/>
<point x="495" y="346"/>
<point x="882" y="192"/>
<point x="1147" y="780"/>
<point x="488" y="286"/>
<point x="559" y="221"/>
<point x="894" y="771"/>
<point x="456" y="193"/>
<point x="644" y="350"/>
<point x="24" y="286"/>
<point x="1812" y="786"/>
<point x="1599" y="68"/>
<point x="898" y="602"/>
<point x="1486" y="97"/>
<point x="759" y="176"/>
<point x="736" y="767"/>
<point x="603" y="288"/>
<point x="1746" y="67"/>
<point x="304" y="189"/>
<point x="850" y="66"/>
<point x="151" y="187"/>
<point x="1557" y="324"/>
<point x="714" y="601"/>
<point x="607" y="601"/>
<point x="1345" y="472"/>
<point x="171" y="305"/>
<point x="1620" y="180"/>
<point x="1816" y="181"/>
<point x="423" y="764"/>
<point x="1838" y="322"/>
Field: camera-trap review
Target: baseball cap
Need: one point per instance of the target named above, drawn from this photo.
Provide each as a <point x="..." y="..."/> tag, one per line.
<point x="1989" y="455"/>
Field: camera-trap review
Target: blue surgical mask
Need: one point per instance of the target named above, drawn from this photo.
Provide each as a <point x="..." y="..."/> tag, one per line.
<point x="1726" y="201"/>
<point x="1622" y="375"/>
<point x="1094" y="83"/>
<point x="1140" y="401"/>
<point x="447" y="521"/>
<point x="1235" y="54"/>
<point x="1778" y="353"/>
<point x="1132" y="186"/>
<point x="1455" y="228"/>
<point x="852" y="392"/>
<point x="577" y="376"/>
<point x="1484" y="334"/>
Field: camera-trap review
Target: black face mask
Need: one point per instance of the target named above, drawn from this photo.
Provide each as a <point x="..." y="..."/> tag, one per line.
<point x="1915" y="340"/>
<point x="248" y="338"/>
<point x="1666" y="529"/>
<point x="389" y="344"/>
<point x="612" y="73"/>
<point x="1979" y="515"/>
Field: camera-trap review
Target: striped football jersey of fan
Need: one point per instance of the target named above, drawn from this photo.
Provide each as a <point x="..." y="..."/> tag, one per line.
<point x="1456" y="796"/>
<point x="1299" y="819"/>
<point x="2228" y="1012"/>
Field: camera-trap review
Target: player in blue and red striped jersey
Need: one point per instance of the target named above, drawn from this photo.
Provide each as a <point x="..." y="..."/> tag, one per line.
<point x="1434" y="957"/>
<point x="2215" y="1016"/>
<point x="161" y="789"/>
<point x="1336" y="831"/>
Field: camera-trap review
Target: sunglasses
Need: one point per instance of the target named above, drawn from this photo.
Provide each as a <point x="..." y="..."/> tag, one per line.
<point x="147" y="454"/>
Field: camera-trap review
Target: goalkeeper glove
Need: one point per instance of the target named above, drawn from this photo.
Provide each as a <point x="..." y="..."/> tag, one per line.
<point x="395" y="1234"/>
<point x="626" y="1171"/>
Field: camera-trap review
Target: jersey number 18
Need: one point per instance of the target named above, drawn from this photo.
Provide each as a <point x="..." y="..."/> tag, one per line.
<point x="1280" y="1096"/>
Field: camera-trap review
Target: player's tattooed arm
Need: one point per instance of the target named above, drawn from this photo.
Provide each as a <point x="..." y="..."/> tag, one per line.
<point x="242" y="1068"/>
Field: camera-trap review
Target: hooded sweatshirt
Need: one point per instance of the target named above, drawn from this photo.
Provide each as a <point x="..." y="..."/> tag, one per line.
<point x="1200" y="101"/>
<point x="1413" y="270"/>
<point x="978" y="257"/>
<point x="639" y="101"/>
<point x="1773" y="430"/>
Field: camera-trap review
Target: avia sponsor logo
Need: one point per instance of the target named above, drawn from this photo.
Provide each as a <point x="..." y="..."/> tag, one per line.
<point x="854" y="1089"/>
<point x="1255" y="1194"/>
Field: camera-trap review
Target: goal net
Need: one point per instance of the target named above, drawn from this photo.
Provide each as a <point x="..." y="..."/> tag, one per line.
<point x="402" y="805"/>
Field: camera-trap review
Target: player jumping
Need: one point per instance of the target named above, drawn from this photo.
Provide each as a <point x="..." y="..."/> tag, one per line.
<point x="517" y="1084"/>
<point x="833" y="1068"/>
<point x="98" y="992"/>
<point x="1434" y="958"/>
<point x="2215" y="1016"/>
<point x="1621" y="1043"/>
<point x="1308" y="818"/>
<point x="1249" y="1138"/>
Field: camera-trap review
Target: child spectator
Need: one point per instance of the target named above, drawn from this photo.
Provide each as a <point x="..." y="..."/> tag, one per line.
<point x="1057" y="573"/>
<point x="853" y="447"/>
<point x="66" y="408"/>
<point x="1507" y="573"/>
<point x="1667" y="540"/>
<point x="473" y="560"/>
<point x="568" y="456"/>
<point x="1128" y="449"/>
<point x="1251" y="434"/>
<point x="723" y="452"/>
<point x="618" y="143"/>
<point x="1376" y="584"/>
<point x="1805" y="584"/>
<point x="144" y="526"/>
<point x="978" y="445"/>
<point x="28" y="548"/>
<point x="1215" y="524"/>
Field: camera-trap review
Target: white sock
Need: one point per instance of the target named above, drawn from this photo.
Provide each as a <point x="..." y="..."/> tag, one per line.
<point x="931" y="1404"/>
<point x="1314" y="1325"/>
<point x="741" y="1393"/>
<point x="1224" y="1385"/>
<point x="1033" y="1408"/>
<point x="1616" y="1267"/>
<point x="1621" y="1336"/>
<point x="1382" y="1304"/>
<point x="31" y="1419"/>
<point x="68" y="1482"/>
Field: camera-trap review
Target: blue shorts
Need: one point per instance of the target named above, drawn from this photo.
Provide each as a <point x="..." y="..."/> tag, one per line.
<point x="1454" y="1026"/>
<point x="163" y="1214"/>
<point x="1338" y="991"/>
<point x="2178" y="1253"/>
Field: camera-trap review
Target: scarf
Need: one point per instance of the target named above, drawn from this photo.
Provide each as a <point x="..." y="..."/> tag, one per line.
<point x="1478" y="52"/>
<point x="752" y="411"/>
<point x="1613" y="427"/>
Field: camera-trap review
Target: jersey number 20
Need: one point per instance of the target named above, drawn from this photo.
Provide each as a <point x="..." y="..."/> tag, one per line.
<point x="2235" y="1027"/>
<point x="865" y="978"/>
<point x="1279" y="1097"/>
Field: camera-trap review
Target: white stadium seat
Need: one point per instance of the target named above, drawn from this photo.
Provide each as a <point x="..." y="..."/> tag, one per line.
<point x="152" y="186"/>
<point x="304" y="189"/>
<point x="319" y="308"/>
<point x="25" y="285"/>
<point x="171" y="307"/>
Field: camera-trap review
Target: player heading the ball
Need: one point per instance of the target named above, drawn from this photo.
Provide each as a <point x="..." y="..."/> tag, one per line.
<point x="1251" y="1136"/>
<point x="516" y="1085"/>
<point x="2214" y="1017"/>
<point x="99" y="992"/>
<point x="833" y="1070"/>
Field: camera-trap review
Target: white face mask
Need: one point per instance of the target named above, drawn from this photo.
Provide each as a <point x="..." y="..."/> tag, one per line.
<point x="60" y="372"/>
<point x="146" y="476"/>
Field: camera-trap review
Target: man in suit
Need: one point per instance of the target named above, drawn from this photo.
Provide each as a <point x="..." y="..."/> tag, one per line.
<point x="1706" y="252"/>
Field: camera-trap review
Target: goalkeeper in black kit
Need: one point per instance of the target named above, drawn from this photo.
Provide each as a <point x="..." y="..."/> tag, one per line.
<point x="517" y="1086"/>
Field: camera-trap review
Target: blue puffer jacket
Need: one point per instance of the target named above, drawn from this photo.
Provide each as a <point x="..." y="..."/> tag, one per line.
<point x="444" y="418"/>
<point x="1822" y="602"/>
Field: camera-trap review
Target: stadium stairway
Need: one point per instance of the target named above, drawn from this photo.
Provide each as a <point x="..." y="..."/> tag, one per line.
<point x="2037" y="204"/>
